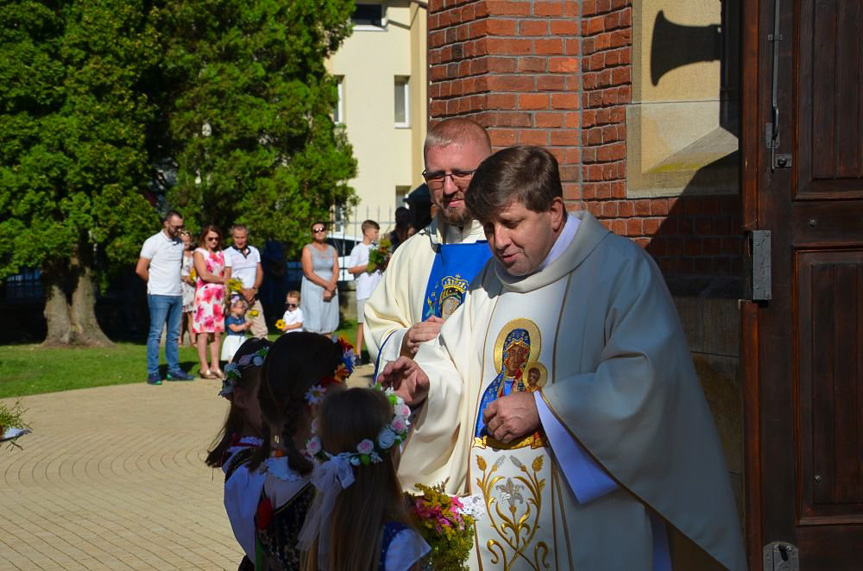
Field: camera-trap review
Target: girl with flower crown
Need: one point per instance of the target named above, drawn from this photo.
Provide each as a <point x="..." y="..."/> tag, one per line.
<point x="299" y="369"/>
<point x="237" y="441"/>
<point x="359" y="521"/>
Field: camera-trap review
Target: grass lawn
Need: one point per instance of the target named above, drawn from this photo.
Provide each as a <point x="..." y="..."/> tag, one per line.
<point x="33" y="369"/>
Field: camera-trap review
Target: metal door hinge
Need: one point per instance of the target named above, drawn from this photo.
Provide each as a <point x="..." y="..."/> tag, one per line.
<point x="781" y="556"/>
<point x="757" y="259"/>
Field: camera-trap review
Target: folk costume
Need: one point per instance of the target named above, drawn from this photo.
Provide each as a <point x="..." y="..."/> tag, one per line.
<point x="242" y="491"/>
<point x="428" y="275"/>
<point x="626" y="467"/>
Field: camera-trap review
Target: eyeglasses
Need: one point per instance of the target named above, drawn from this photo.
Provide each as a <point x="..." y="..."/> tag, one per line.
<point x="318" y="230"/>
<point x="436" y="179"/>
<point x="291" y="305"/>
<point x="212" y="238"/>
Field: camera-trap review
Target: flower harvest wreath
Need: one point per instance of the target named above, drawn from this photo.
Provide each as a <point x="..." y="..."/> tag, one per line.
<point x="369" y="451"/>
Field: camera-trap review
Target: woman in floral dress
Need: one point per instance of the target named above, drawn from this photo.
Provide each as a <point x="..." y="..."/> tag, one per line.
<point x="209" y="321"/>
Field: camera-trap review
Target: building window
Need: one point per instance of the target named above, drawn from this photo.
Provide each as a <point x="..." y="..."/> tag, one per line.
<point x="369" y="16"/>
<point x="402" y="101"/>
<point x="339" y="108"/>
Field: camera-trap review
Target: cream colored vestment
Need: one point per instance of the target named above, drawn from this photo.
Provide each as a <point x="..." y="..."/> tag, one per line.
<point x="619" y="377"/>
<point x="397" y="302"/>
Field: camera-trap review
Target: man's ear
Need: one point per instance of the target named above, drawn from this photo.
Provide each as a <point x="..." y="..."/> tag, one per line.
<point x="557" y="210"/>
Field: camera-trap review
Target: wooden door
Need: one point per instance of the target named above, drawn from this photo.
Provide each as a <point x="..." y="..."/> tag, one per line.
<point x="803" y="348"/>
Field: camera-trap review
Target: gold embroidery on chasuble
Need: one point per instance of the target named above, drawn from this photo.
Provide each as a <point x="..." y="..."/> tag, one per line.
<point x="515" y="479"/>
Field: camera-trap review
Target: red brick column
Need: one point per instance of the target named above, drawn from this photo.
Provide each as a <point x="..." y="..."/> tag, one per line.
<point x="512" y="66"/>
<point x="606" y="65"/>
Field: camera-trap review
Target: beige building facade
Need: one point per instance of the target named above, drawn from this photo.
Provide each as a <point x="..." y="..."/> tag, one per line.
<point x="383" y="104"/>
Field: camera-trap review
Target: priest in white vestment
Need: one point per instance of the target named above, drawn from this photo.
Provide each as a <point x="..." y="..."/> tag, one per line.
<point x="428" y="276"/>
<point x="563" y="392"/>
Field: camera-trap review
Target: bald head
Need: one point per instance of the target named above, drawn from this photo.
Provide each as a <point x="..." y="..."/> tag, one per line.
<point x="457" y="131"/>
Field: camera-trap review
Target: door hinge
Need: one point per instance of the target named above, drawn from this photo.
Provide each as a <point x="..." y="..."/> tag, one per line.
<point x="758" y="268"/>
<point x="781" y="556"/>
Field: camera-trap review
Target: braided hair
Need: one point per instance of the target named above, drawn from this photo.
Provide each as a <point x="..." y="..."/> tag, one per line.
<point x="295" y="363"/>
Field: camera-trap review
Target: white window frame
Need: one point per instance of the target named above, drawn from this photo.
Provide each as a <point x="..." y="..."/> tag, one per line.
<point x="339" y="110"/>
<point x="405" y="82"/>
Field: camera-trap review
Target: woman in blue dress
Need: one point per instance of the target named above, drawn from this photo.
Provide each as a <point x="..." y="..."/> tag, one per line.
<point x="319" y="292"/>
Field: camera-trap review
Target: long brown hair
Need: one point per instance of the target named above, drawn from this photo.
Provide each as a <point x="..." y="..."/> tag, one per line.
<point x="295" y="363"/>
<point x="375" y="498"/>
<point x="234" y="421"/>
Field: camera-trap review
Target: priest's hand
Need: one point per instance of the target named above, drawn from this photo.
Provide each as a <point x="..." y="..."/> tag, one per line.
<point x="407" y="379"/>
<point x="511" y="417"/>
<point x="420" y="333"/>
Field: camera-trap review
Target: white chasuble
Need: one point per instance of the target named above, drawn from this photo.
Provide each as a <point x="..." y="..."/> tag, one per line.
<point x="596" y="335"/>
<point x="526" y="500"/>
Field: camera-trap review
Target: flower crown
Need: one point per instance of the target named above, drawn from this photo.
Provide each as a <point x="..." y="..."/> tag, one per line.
<point x="370" y="451"/>
<point x="316" y="393"/>
<point x="234" y="371"/>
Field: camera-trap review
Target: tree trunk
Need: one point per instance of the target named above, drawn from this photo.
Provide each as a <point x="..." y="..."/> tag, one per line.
<point x="70" y="307"/>
<point x="57" y="315"/>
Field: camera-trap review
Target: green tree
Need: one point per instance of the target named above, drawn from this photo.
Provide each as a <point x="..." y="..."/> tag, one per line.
<point x="249" y="116"/>
<point x="73" y="158"/>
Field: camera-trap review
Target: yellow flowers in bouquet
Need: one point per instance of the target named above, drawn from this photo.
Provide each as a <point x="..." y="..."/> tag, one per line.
<point x="235" y="285"/>
<point x="280" y="325"/>
<point x="380" y="256"/>
<point x="446" y="523"/>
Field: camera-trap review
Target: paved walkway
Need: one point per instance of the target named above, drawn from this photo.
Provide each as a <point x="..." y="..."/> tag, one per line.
<point x="114" y="478"/>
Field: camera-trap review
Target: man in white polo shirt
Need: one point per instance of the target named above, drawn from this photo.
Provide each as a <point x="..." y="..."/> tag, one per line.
<point x="245" y="263"/>
<point x="159" y="265"/>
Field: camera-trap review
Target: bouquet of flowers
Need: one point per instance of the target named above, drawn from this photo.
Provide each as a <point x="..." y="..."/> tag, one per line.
<point x="235" y="285"/>
<point x="380" y="256"/>
<point x="12" y="424"/>
<point x="446" y="523"/>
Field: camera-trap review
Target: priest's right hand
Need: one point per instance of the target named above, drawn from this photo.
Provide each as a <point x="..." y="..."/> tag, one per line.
<point x="420" y="333"/>
<point x="407" y="379"/>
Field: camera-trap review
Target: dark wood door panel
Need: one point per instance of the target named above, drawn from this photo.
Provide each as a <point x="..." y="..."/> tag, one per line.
<point x="829" y="307"/>
<point x="829" y="100"/>
<point x="830" y="548"/>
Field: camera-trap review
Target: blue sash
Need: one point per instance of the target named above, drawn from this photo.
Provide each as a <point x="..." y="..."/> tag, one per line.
<point x="455" y="265"/>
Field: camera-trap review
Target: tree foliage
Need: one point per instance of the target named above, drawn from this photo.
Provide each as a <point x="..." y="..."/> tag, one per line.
<point x="73" y="161"/>
<point x="98" y="98"/>
<point x="250" y="122"/>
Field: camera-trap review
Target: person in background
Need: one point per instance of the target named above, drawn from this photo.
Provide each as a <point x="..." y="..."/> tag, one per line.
<point x="366" y="278"/>
<point x="292" y="320"/>
<point x="320" y="295"/>
<point x="403" y="228"/>
<point x="159" y="265"/>
<point x="244" y="261"/>
<point x="210" y="295"/>
<point x="188" y="288"/>
<point x="236" y="327"/>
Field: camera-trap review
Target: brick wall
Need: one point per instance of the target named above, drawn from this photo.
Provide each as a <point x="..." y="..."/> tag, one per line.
<point x="514" y="67"/>
<point x="559" y="74"/>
